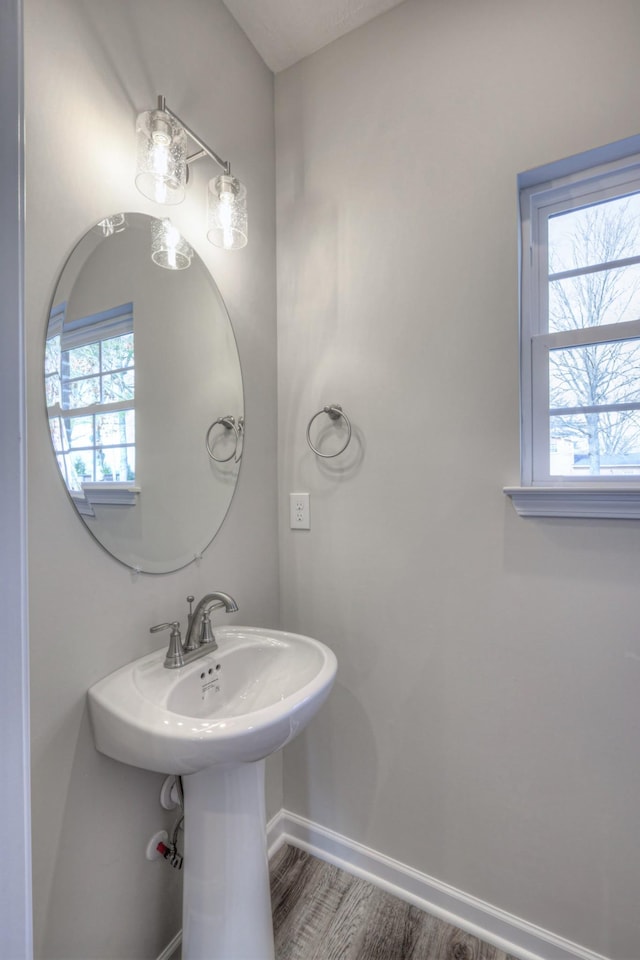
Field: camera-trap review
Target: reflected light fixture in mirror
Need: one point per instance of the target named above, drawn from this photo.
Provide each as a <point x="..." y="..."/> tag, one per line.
<point x="115" y="224"/>
<point x="162" y="174"/>
<point x="169" y="249"/>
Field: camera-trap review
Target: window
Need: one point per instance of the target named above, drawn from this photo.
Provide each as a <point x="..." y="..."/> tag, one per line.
<point x="89" y="383"/>
<point x="580" y="341"/>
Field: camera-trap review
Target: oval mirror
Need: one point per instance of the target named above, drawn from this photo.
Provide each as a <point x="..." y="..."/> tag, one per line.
<point x="144" y="393"/>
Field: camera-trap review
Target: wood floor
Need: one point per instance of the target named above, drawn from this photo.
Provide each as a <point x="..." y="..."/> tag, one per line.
<point x="322" y="913"/>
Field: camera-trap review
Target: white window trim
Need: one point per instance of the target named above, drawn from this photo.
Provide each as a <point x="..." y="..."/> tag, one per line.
<point x="608" y="497"/>
<point x="616" y="503"/>
<point x="115" y="493"/>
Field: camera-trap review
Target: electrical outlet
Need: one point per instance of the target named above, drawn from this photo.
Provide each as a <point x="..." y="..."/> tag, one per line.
<point x="299" y="511"/>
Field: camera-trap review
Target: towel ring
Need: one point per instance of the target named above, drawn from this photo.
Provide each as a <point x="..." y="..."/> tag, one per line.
<point x="335" y="412"/>
<point x="229" y="423"/>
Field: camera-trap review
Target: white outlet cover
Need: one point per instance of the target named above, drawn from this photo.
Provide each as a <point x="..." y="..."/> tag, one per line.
<point x="299" y="516"/>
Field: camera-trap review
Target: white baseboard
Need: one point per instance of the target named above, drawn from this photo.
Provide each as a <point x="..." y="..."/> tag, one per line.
<point x="511" y="934"/>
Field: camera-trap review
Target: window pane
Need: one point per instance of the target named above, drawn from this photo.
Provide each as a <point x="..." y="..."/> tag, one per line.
<point x="595" y="444"/>
<point x="131" y="463"/>
<point x="82" y="465"/>
<point x="596" y="234"/>
<point x="589" y="300"/>
<point x="117" y="353"/>
<point x="56" y="436"/>
<point x="118" y="463"/>
<point x="596" y="374"/>
<point x="82" y="393"/>
<point x="116" y="436"/>
<point x="52" y="356"/>
<point x="52" y="389"/>
<point x="104" y="464"/>
<point x="83" y="361"/>
<point x="114" y="428"/>
<point x="130" y="425"/>
<point x="118" y="386"/>
<point x="79" y="431"/>
<point x="60" y="459"/>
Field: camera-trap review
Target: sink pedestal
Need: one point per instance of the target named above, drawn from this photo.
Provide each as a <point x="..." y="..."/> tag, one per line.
<point x="227" y="903"/>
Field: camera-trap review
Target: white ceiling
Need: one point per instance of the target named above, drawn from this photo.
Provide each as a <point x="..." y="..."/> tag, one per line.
<point x="285" y="31"/>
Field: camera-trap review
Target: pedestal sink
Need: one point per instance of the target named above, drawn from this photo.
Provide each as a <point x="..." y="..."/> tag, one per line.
<point x="214" y="722"/>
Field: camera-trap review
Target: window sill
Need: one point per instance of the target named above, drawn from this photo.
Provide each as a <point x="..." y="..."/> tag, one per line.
<point x="117" y="493"/>
<point x="599" y="502"/>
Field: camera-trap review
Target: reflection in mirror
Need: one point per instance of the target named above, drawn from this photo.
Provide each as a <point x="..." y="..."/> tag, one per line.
<point x="140" y="361"/>
<point x="90" y="390"/>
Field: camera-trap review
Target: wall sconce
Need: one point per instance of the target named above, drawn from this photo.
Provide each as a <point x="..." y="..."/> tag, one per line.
<point x="169" y="249"/>
<point x="162" y="175"/>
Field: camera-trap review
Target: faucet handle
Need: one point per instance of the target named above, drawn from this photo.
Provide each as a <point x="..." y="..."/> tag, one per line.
<point x="174" y="653"/>
<point x="173" y="626"/>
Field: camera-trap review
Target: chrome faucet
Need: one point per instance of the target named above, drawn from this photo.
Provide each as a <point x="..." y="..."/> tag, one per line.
<point x="200" y="638"/>
<point x="199" y="628"/>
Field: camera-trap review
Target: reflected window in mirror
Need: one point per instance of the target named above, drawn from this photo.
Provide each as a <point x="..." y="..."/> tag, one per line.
<point x="90" y="391"/>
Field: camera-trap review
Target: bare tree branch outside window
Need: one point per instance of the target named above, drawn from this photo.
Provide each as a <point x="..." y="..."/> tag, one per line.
<point x="604" y="373"/>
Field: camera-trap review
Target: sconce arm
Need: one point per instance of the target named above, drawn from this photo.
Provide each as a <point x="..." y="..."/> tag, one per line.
<point x="204" y="149"/>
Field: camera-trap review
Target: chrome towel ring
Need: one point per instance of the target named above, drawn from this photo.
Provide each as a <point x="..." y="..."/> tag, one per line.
<point x="335" y="412"/>
<point x="229" y="423"/>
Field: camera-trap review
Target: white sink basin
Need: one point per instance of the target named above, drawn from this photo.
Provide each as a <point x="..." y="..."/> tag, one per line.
<point x="238" y="703"/>
<point x="213" y="722"/>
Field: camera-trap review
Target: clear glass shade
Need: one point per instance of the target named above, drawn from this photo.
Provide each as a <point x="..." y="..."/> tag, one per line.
<point x="169" y="249"/>
<point x="227" y="213"/>
<point x="162" y="157"/>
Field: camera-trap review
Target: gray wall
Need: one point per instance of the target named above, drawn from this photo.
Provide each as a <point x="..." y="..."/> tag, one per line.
<point x="15" y="898"/>
<point x="90" y="68"/>
<point x="484" y="725"/>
